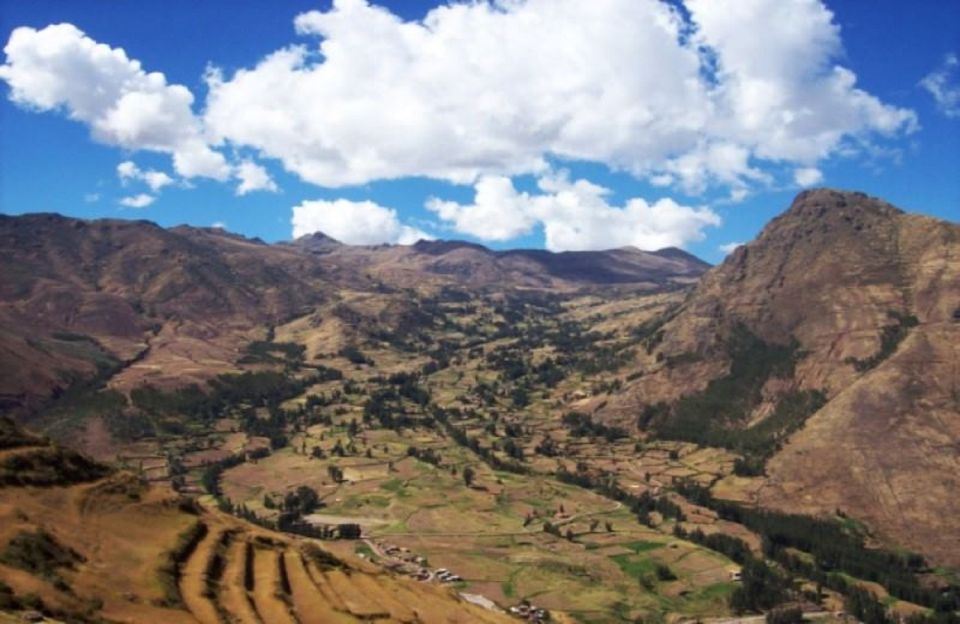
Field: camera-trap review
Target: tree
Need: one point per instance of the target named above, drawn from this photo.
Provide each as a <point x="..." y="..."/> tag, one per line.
<point x="336" y="473"/>
<point x="666" y="574"/>
<point x="548" y="447"/>
<point x="354" y="355"/>
<point x="762" y="588"/>
<point x="513" y="449"/>
<point x="864" y="606"/>
<point x="468" y="475"/>
<point x="643" y="517"/>
<point x="303" y="500"/>
<point x="785" y="615"/>
<point x="349" y="531"/>
<point x="520" y="397"/>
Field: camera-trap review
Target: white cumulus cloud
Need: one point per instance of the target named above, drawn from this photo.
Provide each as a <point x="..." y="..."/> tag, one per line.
<point x="128" y="170"/>
<point x="497" y="88"/>
<point x="574" y="216"/>
<point x="807" y="176"/>
<point x="253" y="177"/>
<point x="778" y="91"/>
<point x="943" y="84"/>
<point x="156" y="180"/>
<point x="498" y="212"/>
<point x="60" y="68"/>
<point x="728" y="248"/>
<point x="137" y="201"/>
<point x="354" y="223"/>
<point x="687" y="94"/>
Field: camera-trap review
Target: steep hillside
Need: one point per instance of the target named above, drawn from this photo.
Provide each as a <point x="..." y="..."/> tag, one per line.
<point x="844" y="299"/>
<point x="79" y="299"/>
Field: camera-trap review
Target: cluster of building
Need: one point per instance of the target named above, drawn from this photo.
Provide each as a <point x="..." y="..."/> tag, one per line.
<point x="445" y="576"/>
<point x="530" y="613"/>
<point x="404" y="561"/>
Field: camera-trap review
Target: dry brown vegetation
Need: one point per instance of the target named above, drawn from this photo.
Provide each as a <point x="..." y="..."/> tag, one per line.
<point x="120" y="534"/>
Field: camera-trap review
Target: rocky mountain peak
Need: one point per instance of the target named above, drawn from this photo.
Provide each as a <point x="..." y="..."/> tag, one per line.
<point x="441" y="247"/>
<point x="317" y="242"/>
<point x="827" y="214"/>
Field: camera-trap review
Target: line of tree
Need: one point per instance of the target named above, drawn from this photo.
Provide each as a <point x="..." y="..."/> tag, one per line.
<point x="582" y="425"/>
<point x="835" y="548"/>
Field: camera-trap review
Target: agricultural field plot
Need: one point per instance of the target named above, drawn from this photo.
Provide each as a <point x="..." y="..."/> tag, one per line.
<point x="459" y="443"/>
<point x="105" y="546"/>
<point x="490" y="533"/>
<point x="405" y="484"/>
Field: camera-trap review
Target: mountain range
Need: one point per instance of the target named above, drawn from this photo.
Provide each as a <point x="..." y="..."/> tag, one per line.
<point x="814" y="373"/>
<point x="190" y="297"/>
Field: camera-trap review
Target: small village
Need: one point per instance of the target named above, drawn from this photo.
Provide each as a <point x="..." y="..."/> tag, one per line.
<point x="403" y="561"/>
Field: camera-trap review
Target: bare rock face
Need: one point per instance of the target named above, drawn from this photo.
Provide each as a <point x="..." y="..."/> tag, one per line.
<point x="869" y="294"/>
<point x="828" y="272"/>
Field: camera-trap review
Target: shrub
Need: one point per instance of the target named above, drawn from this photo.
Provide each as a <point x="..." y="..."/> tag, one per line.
<point x="664" y="573"/>
<point x="40" y="554"/>
<point x="785" y="615"/>
<point x="890" y="338"/>
<point x="354" y="355"/>
<point x="49" y="466"/>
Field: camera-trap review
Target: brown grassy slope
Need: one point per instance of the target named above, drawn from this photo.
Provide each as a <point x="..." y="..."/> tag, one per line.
<point x="886" y="450"/>
<point x="136" y="290"/>
<point x="122" y="533"/>
<point x="193" y="577"/>
<point x="121" y="539"/>
<point x="311" y="605"/>
<point x="828" y="272"/>
<point x="891" y="440"/>
<point x="266" y="588"/>
<point x="233" y="593"/>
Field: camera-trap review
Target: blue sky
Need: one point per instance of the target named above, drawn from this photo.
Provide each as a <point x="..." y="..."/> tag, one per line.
<point x="522" y="125"/>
